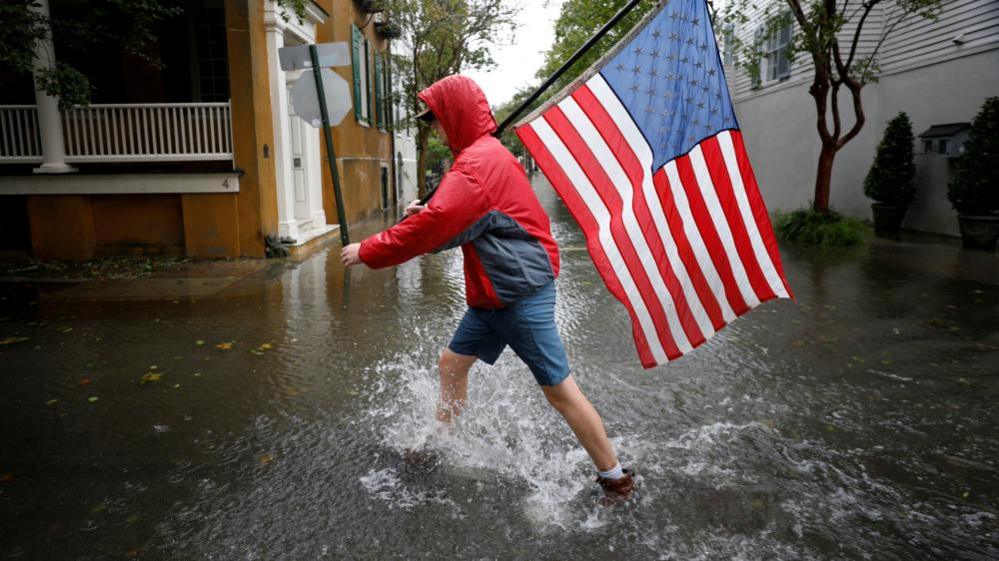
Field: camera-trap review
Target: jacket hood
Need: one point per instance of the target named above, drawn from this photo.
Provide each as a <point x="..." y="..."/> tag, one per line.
<point x="461" y="107"/>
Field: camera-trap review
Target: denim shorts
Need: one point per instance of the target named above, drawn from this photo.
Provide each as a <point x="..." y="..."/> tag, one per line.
<point x="527" y="325"/>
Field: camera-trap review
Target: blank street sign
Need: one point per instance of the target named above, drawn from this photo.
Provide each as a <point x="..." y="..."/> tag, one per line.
<point x="306" y="100"/>
<point x="330" y="54"/>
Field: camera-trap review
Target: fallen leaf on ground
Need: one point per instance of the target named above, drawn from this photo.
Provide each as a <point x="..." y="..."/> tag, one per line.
<point x="223" y="346"/>
<point x="266" y="346"/>
<point x="84" y="381"/>
<point x="199" y="342"/>
<point x="151" y="377"/>
<point x="51" y="402"/>
<point x="92" y="399"/>
<point x="7" y="478"/>
<point x="257" y="352"/>
<point x="12" y="340"/>
<point x="176" y="385"/>
<point x="65" y="329"/>
<point x="266" y="460"/>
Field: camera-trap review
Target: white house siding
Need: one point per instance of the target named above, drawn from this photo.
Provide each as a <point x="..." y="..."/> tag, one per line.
<point x="924" y="73"/>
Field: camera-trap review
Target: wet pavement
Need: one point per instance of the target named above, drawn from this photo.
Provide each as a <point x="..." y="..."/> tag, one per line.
<point x="261" y="412"/>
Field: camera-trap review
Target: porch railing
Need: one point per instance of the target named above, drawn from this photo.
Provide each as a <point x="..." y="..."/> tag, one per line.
<point x="19" y="140"/>
<point x="124" y="132"/>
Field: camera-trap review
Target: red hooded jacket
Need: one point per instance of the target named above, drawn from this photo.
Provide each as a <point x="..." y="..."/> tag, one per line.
<point x="485" y="204"/>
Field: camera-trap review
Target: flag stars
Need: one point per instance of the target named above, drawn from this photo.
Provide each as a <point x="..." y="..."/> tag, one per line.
<point x="636" y="69"/>
<point x="690" y="40"/>
<point x="700" y="105"/>
<point x="657" y="33"/>
<point x="703" y="47"/>
<point x="655" y="53"/>
<point x="654" y="73"/>
<point x="651" y="91"/>
<point x="696" y="21"/>
<point x="620" y="66"/>
<point x="634" y="88"/>
<point x="699" y="64"/>
<point x="674" y="36"/>
<point x="712" y="72"/>
<point x="638" y="50"/>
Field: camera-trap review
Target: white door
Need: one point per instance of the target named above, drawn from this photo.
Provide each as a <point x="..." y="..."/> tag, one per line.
<point x="299" y="164"/>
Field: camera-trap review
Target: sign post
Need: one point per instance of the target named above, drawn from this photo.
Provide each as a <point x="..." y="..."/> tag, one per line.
<point x="319" y="58"/>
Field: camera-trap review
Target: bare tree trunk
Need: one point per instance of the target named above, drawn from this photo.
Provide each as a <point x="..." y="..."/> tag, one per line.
<point x="823" y="178"/>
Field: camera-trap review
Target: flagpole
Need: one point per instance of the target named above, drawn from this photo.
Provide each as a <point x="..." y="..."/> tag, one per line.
<point x="565" y="66"/>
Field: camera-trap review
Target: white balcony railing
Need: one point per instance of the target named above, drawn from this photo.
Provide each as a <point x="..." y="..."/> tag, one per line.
<point x="19" y="140"/>
<point x="124" y="132"/>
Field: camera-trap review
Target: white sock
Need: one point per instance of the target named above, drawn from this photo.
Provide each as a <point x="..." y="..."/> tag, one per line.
<point x="613" y="473"/>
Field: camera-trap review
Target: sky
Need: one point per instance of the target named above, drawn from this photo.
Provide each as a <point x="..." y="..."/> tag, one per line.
<point x="517" y="63"/>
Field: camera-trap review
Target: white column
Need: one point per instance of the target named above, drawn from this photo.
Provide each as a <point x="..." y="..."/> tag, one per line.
<point x="49" y="118"/>
<point x="287" y="225"/>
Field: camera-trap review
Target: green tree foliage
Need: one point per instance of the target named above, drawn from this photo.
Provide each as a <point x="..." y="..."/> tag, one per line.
<point x="440" y="38"/>
<point x="974" y="189"/>
<point x="135" y="21"/>
<point x="23" y="27"/>
<point x="892" y="177"/>
<point x="829" y="34"/>
<point x="577" y="22"/>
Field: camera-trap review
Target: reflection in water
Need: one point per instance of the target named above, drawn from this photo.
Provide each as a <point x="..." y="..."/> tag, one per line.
<point x="858" y="423"/>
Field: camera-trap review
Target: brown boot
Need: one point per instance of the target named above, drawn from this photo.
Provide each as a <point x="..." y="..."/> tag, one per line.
<point x="617" y="491"/>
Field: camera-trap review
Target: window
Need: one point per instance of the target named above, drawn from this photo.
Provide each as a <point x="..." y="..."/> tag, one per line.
<point x="778" y="48"/>
<point x="381" y="93"/>
<point x="728" y="40"/>
<point x="927" y="146"/>
<point x="362" y="74"/>
<point x="942" y="147"/>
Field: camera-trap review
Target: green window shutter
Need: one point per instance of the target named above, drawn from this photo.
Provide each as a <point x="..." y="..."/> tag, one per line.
<point x="379" y="106"/>
<point x="367" y="63"/>
<point x="355" y="43"/>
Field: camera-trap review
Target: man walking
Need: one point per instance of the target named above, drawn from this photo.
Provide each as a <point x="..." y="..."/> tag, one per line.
<point x="486" y="205"/>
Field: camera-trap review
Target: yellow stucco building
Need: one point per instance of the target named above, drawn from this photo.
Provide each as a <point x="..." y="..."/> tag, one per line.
<point x="203" y="156"/>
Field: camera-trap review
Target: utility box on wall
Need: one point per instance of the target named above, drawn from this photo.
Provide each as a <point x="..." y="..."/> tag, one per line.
<point x="945" y="140"/>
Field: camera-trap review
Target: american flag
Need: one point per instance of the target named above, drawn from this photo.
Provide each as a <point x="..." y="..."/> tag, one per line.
<point x="647" y="155"/>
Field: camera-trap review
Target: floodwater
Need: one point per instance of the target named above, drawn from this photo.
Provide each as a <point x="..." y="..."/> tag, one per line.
<point x="268" y="420"/>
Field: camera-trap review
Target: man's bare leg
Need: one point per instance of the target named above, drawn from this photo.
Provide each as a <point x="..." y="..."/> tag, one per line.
<point x="454" y="384"/>
<point x="584" y="420"/>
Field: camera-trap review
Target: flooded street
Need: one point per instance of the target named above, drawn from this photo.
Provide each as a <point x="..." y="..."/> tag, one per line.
<point x="264" y="416"/>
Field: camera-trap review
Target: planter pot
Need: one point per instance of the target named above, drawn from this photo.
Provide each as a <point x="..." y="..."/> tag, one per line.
<point x="979" y="232"/>
<point x="887" y="218"/>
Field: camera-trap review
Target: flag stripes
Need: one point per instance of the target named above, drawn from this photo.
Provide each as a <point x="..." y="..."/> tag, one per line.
<point x="686" y="249"/>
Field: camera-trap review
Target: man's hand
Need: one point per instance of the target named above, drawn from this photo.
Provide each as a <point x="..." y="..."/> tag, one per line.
<point x="351" y="255"/>
<point x="414" y="208"/>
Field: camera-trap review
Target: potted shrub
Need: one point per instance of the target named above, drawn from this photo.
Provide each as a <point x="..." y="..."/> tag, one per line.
<point x="891" y="180"/>
<point x="371" y="6"/>
<point x="388" y="29"/>
<point x="974" y="188"/>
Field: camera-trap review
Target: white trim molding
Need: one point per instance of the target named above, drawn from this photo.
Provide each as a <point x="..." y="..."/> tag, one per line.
<point x="120" y="184"/>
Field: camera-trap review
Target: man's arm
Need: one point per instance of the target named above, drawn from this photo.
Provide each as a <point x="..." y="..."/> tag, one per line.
<point x="459" y="202"/>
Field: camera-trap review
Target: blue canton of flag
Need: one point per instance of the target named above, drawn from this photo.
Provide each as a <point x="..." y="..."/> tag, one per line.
<point x="670" y="79"/>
